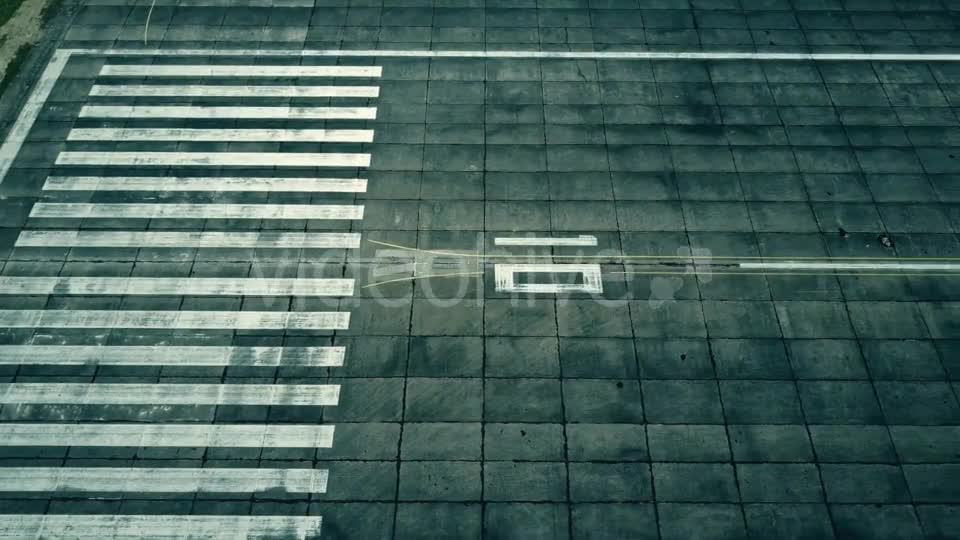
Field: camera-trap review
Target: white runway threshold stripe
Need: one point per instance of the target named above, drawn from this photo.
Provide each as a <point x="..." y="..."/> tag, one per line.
<point x="582" y="240"/>
<point x="154" y="70"/>
<point x="169" y="394"/>
<point x="199" y="111"/>
<point x="255" y="91"/>
<point x="889" y="266"/>
<point x="205" y="183"/>
<point x="189" y="286"/>
<point x="160" y="355"/>
<point x="131" y="527"/>
<point x="196" y="211"/>
<point x="214" y="159"/>
<point x="222" y="135"/>
<point x="167" y="435"/>
<point x="181" y="240"/>
<point x="505" y="278"/>
<point x="161" y="480"/>
<point x="196" y="320"/>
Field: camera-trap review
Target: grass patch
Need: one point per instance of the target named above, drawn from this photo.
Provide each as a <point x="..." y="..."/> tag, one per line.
<point x="7" y="9"/>
<point x="14" y="67"/>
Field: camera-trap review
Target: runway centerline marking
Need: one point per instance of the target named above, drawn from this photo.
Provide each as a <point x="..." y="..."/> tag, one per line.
<point x="800" y="265"/>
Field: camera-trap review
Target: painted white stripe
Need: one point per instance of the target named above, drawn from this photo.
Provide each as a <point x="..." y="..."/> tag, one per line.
<point x="625" y="55"/>
<point x="199" y="111"/>
<point x="222" y="135"/>
<point x="894" y="266"/>
<point x="213" y="159"/>
<point x="201" y="320"/>
<point x="31" y="110"/>
<point x="504" y="278"/>
<point x="160" y="480"/>
<point x="204" y="183"/>
<point x="167" y="435"/>
<point x="582" y="240"/>
<point x="199" y="90"/>
<point x="129" y="527"/>
<point x="158" y="355"/>
<point x="196" y="211"/>
<point x="153" y="70"/>
<point x="161" y="239"/>
<point x="170" y="394"/>
<point x="139" y="286"/>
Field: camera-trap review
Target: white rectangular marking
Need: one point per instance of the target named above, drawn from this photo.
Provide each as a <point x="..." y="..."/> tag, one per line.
<point x="199" y="90"/>
<point x="199" y="111"/>
<point x="157" y="355"/>
<point x="222" y="135"/>
<point x="892" y="266"/>
<point x="140" y="286"/>
<point x="200" y="320"/>
<point x="170" y="394"/>
<point x="504" y="277"/>
<point x="160" y="480"/>
<point x="161" y="239"/>
<point x="129" y="527"/>
<point x="196" y="211"/>
<point x="582" y="240"/>
<point x="213" y="159"/>
<point x="167" y="435"/>
<point x="153" y="70"/>
<point x="204" y="183"/>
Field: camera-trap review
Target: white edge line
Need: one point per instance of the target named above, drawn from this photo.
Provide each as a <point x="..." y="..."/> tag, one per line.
<point x="31" y="109"/>
<point x="626" y="55"/>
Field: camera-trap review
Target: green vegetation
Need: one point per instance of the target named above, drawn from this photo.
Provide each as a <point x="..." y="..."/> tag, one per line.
<point x="7" y="9"/>
<point x="14" y="67"/>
